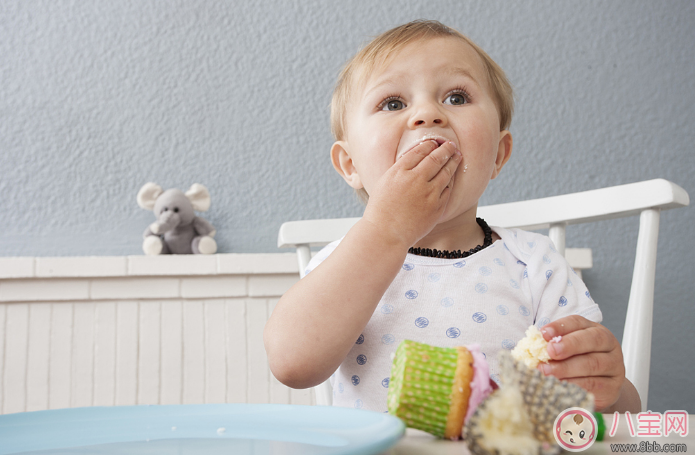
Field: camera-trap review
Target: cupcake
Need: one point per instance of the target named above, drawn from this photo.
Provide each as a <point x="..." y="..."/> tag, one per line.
<point x="437" y="389"/>
<point x="518" y="418"/>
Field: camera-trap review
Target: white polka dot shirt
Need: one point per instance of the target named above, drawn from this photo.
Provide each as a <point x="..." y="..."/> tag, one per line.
<point x="489" y="298"/>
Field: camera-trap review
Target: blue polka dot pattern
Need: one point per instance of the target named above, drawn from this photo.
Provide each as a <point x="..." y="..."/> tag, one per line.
<point x="453" y="332"/>
<point x="485" y="271"/>
<point x="410" y="295"/>
<point x="479" y="317"/>
<point x="531" y="245"/>
<point x="422" y="322"/>
<point x="552" y="248"/>
<point x="361" y="359"/>
<point x="505" y="246"/>
<point x="388" y="339"/>
<point x="355" y="379"/>
<point x="445" y="309"/>
<point x="341" y="388"/>
<point x="358" y="404"/>
<point x="548" y="274"/>
<point x="588" y="295"/>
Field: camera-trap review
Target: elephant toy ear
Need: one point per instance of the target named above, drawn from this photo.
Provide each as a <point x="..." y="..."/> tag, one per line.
<point x="148" y="195"/>
<point x="199" y="197"/>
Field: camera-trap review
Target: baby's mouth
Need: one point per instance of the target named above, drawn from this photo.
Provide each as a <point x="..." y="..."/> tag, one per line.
<point x="427" y="137"/>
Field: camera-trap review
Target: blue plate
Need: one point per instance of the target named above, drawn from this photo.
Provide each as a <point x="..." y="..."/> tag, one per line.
<point x="222" y="429"/>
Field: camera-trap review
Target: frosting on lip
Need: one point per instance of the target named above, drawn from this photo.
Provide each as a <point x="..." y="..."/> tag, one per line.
<point x="427" y="137"/>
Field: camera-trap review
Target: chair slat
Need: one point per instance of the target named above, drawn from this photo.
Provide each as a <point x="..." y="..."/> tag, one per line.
<point x="583" y="207"/>
<point x="557" y="236"/>
<point x="637" y="336"/>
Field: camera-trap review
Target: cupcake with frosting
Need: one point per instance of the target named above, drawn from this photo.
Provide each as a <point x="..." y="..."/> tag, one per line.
<point x="437" y="389"/>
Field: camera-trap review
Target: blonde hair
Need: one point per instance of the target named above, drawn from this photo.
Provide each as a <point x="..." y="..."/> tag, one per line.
<point x="377" y="52"/>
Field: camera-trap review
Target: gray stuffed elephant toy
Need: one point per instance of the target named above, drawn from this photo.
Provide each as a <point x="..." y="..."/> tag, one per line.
<point x="177" y="229"/>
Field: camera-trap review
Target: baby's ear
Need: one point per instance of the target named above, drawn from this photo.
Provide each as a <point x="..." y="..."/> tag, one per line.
<point x="504" y="152"/>
<point x="342" y="162"/>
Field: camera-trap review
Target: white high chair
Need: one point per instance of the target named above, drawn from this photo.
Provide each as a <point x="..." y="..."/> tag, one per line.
<point x="645" y="199"/>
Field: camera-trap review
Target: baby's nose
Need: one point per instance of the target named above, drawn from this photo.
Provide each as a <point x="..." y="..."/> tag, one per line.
<point x="428" y="115"/>
<point x="436" y="121"/>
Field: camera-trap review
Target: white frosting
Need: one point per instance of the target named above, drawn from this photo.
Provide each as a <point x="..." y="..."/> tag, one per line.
<point x="532" y="349"/>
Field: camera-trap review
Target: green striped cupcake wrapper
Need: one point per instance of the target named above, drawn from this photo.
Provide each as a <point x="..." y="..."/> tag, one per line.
<point x="422" y="379"/>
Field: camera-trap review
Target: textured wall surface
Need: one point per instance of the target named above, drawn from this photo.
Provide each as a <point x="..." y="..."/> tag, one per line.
<point x="97" y="98"/>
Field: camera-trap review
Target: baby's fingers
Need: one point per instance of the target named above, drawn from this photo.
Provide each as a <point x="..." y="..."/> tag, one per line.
<point x="445" y="176"/>
<point x="435" y="162"/>
<point x="606" y="390"/>
<point x="410" y="159"/>
<point x="563" y="326"/>
<point x="587" y="365"/>
<point x="588" y="340"/>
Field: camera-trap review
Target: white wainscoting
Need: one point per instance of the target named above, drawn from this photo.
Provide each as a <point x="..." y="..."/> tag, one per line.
<point x="103" y="331"/>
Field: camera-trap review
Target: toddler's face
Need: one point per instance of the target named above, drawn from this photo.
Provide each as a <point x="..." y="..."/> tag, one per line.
<point x="437" y="89"/>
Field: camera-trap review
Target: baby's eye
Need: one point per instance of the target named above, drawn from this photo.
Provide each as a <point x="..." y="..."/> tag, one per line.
<point x="456" y="99"/>
<point x="581" y="434"/>
<point x="392" y="104"/>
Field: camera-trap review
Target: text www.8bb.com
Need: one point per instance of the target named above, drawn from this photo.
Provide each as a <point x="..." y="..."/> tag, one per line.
<point x="649" y="447"/>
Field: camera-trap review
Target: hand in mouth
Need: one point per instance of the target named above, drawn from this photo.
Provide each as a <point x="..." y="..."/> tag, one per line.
<point x="427" y="137"/>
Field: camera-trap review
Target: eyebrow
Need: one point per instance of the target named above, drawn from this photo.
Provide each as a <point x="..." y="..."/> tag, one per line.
<point x="460" y="71"/>
<point x="455" y="71"/>
<point x="388" y="81"/>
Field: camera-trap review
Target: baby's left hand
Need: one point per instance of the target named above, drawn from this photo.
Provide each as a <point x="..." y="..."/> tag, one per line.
<point x="588" y="355"/>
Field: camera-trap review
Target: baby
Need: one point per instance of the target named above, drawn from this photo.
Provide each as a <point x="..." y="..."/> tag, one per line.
<point x="421" y="118"/>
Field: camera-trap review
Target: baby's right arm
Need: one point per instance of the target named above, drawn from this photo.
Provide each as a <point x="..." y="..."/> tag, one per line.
<point x="316" y="322"/>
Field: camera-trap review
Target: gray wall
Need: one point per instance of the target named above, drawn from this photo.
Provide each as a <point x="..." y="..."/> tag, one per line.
<point x="97" y="98"/>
